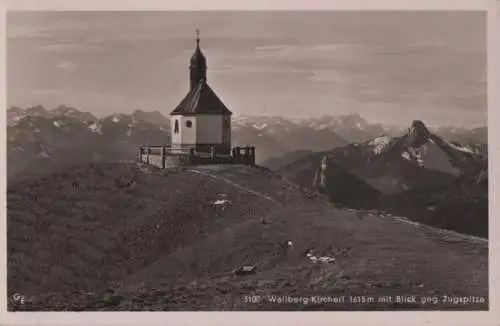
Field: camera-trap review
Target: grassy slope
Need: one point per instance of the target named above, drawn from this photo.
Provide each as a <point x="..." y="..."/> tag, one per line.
<point x="162" y="245"/>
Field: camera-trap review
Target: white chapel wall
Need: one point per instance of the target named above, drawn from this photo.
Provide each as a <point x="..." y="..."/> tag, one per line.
<point x="209" y="129"/>
<point x="176" y="137"/>
<point x="186" y="135"/>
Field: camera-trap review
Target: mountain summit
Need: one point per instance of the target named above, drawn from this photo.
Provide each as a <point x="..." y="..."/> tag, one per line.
<point x="427" y="150"/>
<point x="419" y="133"/>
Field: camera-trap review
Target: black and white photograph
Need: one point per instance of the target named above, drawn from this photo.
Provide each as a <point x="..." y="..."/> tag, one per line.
<point x="247" y="161"/>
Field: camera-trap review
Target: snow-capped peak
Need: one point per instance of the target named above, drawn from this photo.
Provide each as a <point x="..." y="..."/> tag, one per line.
<point x="96" y="127"/>
<point x="58" y="123"/>
<point x="260" y="126"/>
<point x="379" y="144"/>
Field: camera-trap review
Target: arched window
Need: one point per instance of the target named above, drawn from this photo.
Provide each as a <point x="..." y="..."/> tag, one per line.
<point x="189" y="123"/>
<point x="176" y="127"/>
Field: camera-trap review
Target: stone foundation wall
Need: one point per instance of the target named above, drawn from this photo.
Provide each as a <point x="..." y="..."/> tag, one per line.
<point x="170" y="160"/>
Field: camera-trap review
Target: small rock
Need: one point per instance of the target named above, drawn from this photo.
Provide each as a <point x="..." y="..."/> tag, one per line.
<point x="246" y="270"/>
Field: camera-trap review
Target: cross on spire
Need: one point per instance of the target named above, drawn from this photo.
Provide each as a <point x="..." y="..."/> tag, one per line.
<point x="197" y="36"/>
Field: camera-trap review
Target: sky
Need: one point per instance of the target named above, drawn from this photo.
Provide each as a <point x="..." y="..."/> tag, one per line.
<point x="390" y="67"/>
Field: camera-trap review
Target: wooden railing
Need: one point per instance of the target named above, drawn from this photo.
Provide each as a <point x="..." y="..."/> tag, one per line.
<point x="239" y="155"/>
<point x="158" y="150"/>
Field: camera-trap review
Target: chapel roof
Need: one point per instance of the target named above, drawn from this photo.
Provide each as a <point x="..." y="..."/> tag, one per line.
<point x="201" y="99"/>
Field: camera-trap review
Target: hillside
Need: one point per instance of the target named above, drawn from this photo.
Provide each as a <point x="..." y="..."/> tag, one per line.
<point x="124" y="237"/>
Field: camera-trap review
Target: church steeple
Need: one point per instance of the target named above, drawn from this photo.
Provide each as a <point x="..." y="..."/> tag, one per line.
<point x="198" y="64"/>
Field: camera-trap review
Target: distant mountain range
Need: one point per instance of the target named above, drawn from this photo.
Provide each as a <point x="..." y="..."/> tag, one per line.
<point x="464" y="135"/>
<point x="276" y="136"/>
<point x="15" y="114"/>
<point x="418" y="168"/>
<point x="352" y="127"/>
<point x="49" y="138"/>
<point x="40" y="141"/>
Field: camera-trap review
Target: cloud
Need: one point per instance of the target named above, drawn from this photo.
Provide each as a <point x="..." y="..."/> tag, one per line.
<point x="44" y="92"/>
<point x="70" y="47"/>
<point x="94" y="40"/>
<point x="255" y="69"/>
<point x="25" y="31"/>
<point x="43" y="24"/>
<point x="277" y="47"/>
<point x="315" y="54"/>
<point x="306" y="48"/>
<point x="66" y="65"/>
<point x="328" y="76"/>
<point x="333" y="47"/>
<point x="88" y="100"/>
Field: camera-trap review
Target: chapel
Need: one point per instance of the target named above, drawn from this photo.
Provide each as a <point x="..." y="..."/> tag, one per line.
<point x="201" y="121"/>
<point x="200" y="127"/>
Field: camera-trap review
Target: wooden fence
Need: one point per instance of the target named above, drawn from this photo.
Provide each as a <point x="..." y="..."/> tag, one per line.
<point x="166" y="156"/>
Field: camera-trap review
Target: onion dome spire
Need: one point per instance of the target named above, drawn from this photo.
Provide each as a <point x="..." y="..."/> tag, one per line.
<point x="198" y="64"/>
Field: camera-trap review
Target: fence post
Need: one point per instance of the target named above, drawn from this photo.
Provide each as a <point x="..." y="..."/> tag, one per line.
<point x="212" y="152"/>
<point x="191" y="156"/>
<point x="148" y="151"/>
<point x="163" y="150"/>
